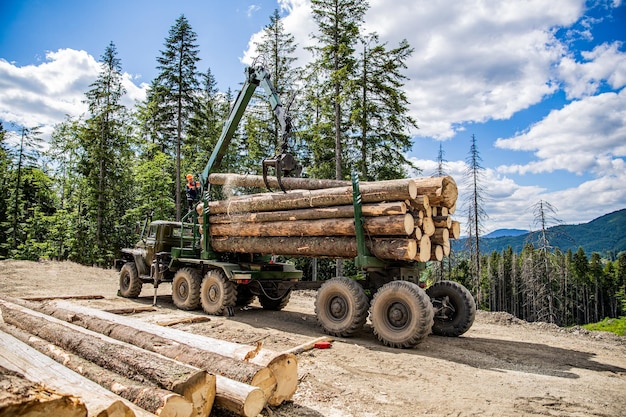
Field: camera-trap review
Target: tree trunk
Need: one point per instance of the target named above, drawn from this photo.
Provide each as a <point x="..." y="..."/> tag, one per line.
<point x="238" y="180"/>
<point x="37" y="367"/>
<point x="194" y="384"/>
<point x="149" y="397"/>
<point x="374" y="192"/>
<point x="284" y="367"/>
<point x="21" y="397"/>
<point x="368" y="210"/>
<point x="333" y="247"/>
<point x="402" y="225"/>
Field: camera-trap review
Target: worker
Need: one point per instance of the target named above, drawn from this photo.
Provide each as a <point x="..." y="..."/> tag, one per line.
<point x="191" y="189"/>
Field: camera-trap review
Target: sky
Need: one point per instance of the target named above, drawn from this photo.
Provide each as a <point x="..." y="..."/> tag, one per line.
<point x="539" y="84"/>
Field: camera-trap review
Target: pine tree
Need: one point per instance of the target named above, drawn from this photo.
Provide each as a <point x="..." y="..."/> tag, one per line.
<point x="179" y="79"/>
<point x="380" y="111"/>
<point x="4" y="193"/>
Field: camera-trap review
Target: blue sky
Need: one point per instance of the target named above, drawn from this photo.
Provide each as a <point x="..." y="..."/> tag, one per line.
<point x="539" y="83"/>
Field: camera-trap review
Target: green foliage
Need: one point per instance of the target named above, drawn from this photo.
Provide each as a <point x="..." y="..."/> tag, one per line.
<point x="613" y="325"/>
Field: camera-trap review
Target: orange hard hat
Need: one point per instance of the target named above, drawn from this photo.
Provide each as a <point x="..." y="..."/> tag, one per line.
<point x="189" y="176"/>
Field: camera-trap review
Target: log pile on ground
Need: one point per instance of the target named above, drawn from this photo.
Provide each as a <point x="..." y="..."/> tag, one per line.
<point x="408" y="219"/>
<point x="157" y="370"/>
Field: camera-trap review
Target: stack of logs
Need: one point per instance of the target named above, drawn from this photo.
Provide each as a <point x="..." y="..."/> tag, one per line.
<point x="406" y="220"/>
<point x="119" y="366"/>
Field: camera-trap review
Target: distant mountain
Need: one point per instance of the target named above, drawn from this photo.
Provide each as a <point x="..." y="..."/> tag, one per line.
<point x="505" y="232"/>
<point x="605" y="235"/>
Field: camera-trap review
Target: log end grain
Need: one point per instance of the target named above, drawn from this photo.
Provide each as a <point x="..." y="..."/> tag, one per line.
<point x="200" y="391"/>
<point x="285" y="369"/>
<point x="266" y="381"/>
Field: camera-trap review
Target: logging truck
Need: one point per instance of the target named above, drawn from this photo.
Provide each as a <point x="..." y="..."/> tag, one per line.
<point x="222" y="254"/>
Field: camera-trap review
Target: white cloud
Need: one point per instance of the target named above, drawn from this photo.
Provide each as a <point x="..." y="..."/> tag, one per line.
<point x="42" y="95"/>
<point x="585" y="135"/>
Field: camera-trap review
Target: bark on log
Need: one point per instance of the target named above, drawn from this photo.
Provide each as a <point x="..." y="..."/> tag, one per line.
<point x="375" y="192"/>
<point x="402" y="225"/>
<point x="441" y="191"/>
<point x="239" y="180"/>
<point x="368" y="210"/>
<point x="21" y="397"/>
<point x="249" y="399"/>
<point x="335" y="247"/>
<point x="158" y="401"/>
<point x="37" y="367"/>
<point x="283" y="366"/>
<point x="194" y="384"/>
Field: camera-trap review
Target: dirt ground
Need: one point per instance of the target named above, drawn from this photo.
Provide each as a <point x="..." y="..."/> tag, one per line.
<point x="501" y="367"/>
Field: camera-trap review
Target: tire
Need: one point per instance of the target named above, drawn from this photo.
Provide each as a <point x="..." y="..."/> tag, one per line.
<point x="341" y="307"/>
<point x="275" y="303"/>
<point x="186" y="289"/>
<point x="244" y="296"/>
<point x="217" y="293"/>
<point x="401" y="314"/>
<point x="130" y="284"/>
<point x="454" y="307"/>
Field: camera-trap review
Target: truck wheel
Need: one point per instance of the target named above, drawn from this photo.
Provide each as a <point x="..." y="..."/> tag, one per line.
<point x="454" y="306"/>
<point x="130" y="284"/>
<point x="341" y="306"/>
<point x="217" y="293"/>
<point x="401" y="314"/>
<point x="274" y="303"/>
<point x="186" y="289"/>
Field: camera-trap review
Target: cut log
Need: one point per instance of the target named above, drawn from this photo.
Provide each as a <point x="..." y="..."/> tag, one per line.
<point x="442" y="221"/>
<point x="441" y="191"/>
<point x="436" y="253"/>
<point x="21" y="397"/>
<point x="239" y="180"/>
<point x="194" y="384"/>
<point x="455" y="230"/>
<point x="308" y="345"/>
<point x="335" y="247"/>
<point x="149" y="397"/>
<point x="65" y="297"/>
<point x="428" y="226"/>
<point x="401" y="225"/>
<point x="441" y="236"/>
<point x="185" y="320"/>
<point x="283" y="366"/>
<point x="423" y="250"/>
<point x="37" y="367"/>
<point x="240" y="398"/>
<point x="421" y="203"/>
<point x="375" y="192"/>
<point x="130" y="310"/>
<point x="260" y="378"/>
<point x="368" y="210"/>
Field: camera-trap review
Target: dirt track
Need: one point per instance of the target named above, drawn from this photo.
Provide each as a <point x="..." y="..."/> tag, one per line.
<point x="501" y="367"/>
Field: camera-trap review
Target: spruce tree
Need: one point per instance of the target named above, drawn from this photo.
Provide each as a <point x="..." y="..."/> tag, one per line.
<point x="105" y="141"/>
<point x="380" y="111"/>
<point x="179" y="78"/>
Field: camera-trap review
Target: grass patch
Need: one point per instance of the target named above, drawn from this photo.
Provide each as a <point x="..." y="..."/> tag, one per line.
<point x="617" y="326"/>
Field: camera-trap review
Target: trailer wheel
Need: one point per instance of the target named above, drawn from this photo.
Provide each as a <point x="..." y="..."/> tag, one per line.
<point x="186" y="289"/>
<point x="454" y="306"/>
<point x="401" y="314"/>
<point x="217" y="293"/>
<point x="341" y="306"/>
<point x="130" y="284"/>
<point x="274" y="303"/>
